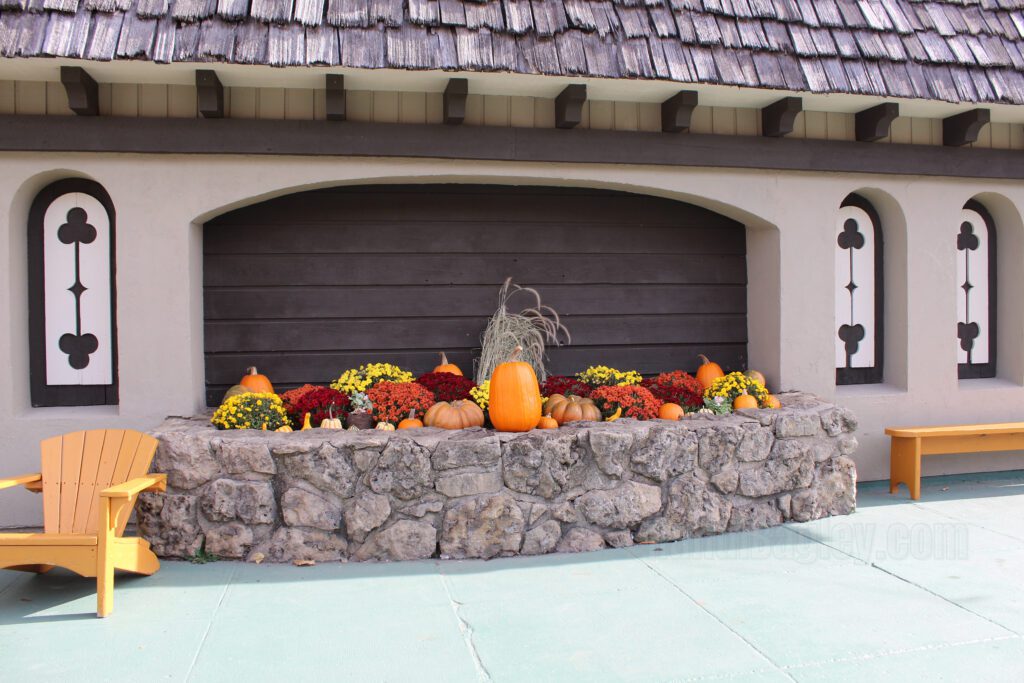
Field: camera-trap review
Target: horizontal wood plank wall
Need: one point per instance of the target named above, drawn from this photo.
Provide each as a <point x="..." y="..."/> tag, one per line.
<point x="179" y="101"/>
<point x="308" y="285"/>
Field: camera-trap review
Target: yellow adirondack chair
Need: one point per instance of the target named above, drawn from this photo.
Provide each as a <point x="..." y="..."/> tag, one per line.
<point x="90" y="482"/>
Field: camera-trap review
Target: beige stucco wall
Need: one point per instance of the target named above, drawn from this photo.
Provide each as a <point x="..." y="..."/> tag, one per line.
<point x="162" y="201"/>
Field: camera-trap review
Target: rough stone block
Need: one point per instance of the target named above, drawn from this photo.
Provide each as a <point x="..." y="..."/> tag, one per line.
<point x="667" y="452"/>
<point x="325" y="467"/>
<point x="468" y="483"/>
<point x="717" y="447"/>
<point x="542" y="539"/>
<point x="290" y="544"/>
<point x="187" y="460"/>
<point x="754" y="515"/>
<point x="171" y="525"/>
<point x="406" y="539"/>
<point x="245" y="456"/>
<point x="482" y="526"/>
<point x="302" y="508"/>
<point x="403" y="470"/>
<point x="468" y="448"/>
<point x="622" y="507"/>
<point x="777" y="476"/>
<point x="580" y="540"/>
<point x="693" y="509"/>
<point x="789" y="425"/>
<point x="364" y="513"/>
<point x="230" y="541"/>
<point x="542" y="465"/>
<point x="252" y="502"/>
<point x="755" y="444"/>
<point x="610" y="450"/>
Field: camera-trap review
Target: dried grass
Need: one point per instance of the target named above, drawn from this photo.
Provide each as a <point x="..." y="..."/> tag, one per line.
<point x="532" y="328"/>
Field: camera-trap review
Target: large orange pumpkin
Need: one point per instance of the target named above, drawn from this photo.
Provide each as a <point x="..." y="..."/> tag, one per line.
<point x="454" y="415"/>
<point x="515" y="404"/>
<point x="571" y="409"/>
<point x="547" y="423"/>
<point x="708" y="372"/>
<point x="744" y="401"/>
<point x="256" y="383"/>
<point x="670" y="411"/>
<point x="445" y="366"/>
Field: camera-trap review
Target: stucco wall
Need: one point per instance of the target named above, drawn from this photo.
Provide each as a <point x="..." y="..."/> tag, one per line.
<point x="162" y="201"/>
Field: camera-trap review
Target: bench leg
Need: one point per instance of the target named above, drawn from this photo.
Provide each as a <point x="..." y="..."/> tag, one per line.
<point x="905" y="466"/>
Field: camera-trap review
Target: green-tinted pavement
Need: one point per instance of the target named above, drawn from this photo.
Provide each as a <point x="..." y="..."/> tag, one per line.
<point x="899" y="591"/>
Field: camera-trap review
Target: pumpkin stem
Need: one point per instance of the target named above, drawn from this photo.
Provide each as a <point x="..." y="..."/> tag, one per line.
<point x="444" y="358"/>
<point x="703" y="358"/>
<point x="515" y="354"/>
<point x="412" y="413"/>
<point x="251" y="370"/>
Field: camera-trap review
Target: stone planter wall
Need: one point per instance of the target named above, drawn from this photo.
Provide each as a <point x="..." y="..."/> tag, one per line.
<point x="329" y="495"/>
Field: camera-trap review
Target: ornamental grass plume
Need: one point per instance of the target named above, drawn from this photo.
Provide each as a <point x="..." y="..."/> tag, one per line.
<point x="531" y="328"/>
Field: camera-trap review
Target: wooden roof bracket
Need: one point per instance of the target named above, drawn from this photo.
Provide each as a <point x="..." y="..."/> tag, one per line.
<point x="875" y="123"/>
<point x="455" y="94"/>
<point x="962" y="129"/>
<point x="83" y="92"/>
<point x="210" y="94"/>
<point x="777" y="119"/>
<point x="569" y="106"/>
<point x="335" y="97"/>
<point x="677" y="110"/>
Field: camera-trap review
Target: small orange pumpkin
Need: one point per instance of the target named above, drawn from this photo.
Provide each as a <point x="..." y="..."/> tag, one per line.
<point x="256" y="383"/>
<point x="670" y="411"/>
<point x="454" y="415"/>
<point x="571" y="408"/>
<point x="757" y="376"/>
<point x="445" y="366"/>
<point x="772" y="401"/>
<point x="547" y="423"/>
<point x="515" y="404"/>
<point x="744" y="401"/>
<point x="410" y="422"/>
<point x="708" y="372"/>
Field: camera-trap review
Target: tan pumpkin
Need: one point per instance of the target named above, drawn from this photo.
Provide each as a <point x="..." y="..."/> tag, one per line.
<point x="670" y="411"/>
<point x="515" y="404"/>
<point x="256" y="383"/>
<point x="283" y="429"/>
<point x="454" y="415"/>
<point x="708" y="372"/>
<point x="330" y="422"/>
<point x="445" y="366"/>
<point x="772" y="402"/>
<point x="546" y="422"/>
<point x="410" y="422"/>
<point x="744" y="402"/>
<point x="385" y="427"/>
<point x="236" y="390"/>
<point x="757" y="377"/>
<point x="571" y="409"/>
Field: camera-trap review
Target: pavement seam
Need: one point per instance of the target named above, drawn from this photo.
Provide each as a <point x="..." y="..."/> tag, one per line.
<point x="968" y="522"/>
<point x="894" y="653"/>
<point x="209" y="625"/>
<point x="466" y="629"/>
<point x="907" y="581"/>
<point x="714" y="616"/>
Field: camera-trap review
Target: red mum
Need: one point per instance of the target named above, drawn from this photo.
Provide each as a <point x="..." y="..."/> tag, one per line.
<point x="319" y="402"/>
<point x="677" y="387"/>
<point x="561" y="384"/>
<point x="447" y="386"/>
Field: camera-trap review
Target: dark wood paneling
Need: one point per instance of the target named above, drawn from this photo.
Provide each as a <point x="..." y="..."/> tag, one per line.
<point x="269" y="303"/>
<point x="22" y="133"/>
<point x="307" y="285"/>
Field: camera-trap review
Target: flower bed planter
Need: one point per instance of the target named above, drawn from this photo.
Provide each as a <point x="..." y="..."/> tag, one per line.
<point x="328" y="495"/>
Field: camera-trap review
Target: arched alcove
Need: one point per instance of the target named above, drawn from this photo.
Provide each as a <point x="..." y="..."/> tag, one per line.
<point x="308" y="284"/>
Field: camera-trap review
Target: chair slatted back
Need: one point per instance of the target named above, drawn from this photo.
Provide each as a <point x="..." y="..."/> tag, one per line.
<point x="76" y="467"/>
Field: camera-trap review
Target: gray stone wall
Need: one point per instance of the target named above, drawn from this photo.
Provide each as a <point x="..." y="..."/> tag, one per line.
<point x="328" y="495"/>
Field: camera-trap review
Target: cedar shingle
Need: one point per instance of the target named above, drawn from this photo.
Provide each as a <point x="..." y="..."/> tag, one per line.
<point x="322" y="47"/>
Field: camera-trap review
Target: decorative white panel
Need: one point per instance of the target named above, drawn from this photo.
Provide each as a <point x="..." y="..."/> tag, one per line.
<point x="972" y="278"/>
<point x="855" y="289"/>
<point x="76" y="266"/>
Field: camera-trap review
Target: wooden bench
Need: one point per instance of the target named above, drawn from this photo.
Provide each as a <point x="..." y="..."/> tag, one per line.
<point x="910" y="443"/>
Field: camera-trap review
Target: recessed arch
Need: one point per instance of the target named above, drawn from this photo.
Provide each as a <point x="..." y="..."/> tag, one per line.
<point x="859" y="293"/>
<point x="977" y="292"/>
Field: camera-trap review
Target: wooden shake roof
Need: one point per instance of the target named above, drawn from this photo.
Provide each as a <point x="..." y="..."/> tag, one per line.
<point x="952" y="50"/>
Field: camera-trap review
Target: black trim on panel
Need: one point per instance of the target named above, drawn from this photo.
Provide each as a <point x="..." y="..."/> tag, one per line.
<point x="778" y="118"/>
<point x="454" y="101"/>
<point x="963" y="128"/>
<point x="82" y="90"/>
<point x="24" y="133"/>
<point x="42" y="394"/>
<point x="334" y="99"/>
<point x="983" y="370"/>
<point x="677" y="111"/>
<point x="875" y="373"/>
<point x="875" y="123"/>
<point x="569" y="106"/>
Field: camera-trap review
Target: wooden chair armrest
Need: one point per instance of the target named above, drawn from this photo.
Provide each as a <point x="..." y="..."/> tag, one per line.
<point x="29" y="481"/>
<point x="149" y="482"/>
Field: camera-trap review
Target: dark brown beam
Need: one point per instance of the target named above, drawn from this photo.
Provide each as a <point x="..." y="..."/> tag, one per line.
<point x="455" y="94"/>
<point x="677" y="110"/>
<point x="210" y="94"/>
<point x="777" y="118"/>
<point x="98" y="134"/>
<point x="569" y="106"/>
<point x="335" y="100"/>
<point x="874" y="123"/>
<point x="83" y="92"/>
<point x="962" y="129"/>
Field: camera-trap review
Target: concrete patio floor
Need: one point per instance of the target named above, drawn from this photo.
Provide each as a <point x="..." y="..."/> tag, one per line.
<point x="899" y="591"/>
